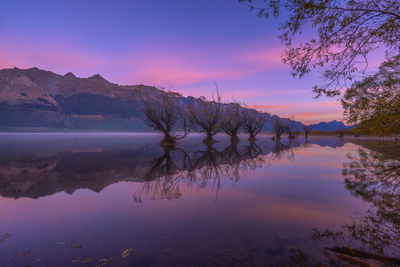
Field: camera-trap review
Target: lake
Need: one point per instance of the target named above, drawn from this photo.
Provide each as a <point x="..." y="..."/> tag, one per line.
<point x="117" y="199"/>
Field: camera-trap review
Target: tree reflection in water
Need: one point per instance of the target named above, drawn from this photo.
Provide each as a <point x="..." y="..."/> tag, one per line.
<point x="198" y="168"/>
<point x="373" y="175"/>
<point x="163" y="178"/>
<point x="282" y="149"/>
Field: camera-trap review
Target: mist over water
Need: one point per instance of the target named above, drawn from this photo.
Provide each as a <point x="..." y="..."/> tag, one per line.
<point x="70" y="197"/>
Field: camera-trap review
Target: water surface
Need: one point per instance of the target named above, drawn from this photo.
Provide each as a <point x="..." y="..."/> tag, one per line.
<point x="89" y="197"/>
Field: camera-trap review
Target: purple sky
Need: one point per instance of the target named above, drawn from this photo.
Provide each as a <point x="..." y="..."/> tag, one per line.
<point x="181" y="45"/>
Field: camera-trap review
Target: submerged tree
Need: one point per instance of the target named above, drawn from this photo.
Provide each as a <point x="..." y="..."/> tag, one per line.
<point x="206" y="116"/>
<point x="253" y="123"/>
<point x="164" y="113"/>
<point x="279" y="127"/>
<point x="232" y="120"/>
<point x="306" y="130"/>
<point x="292" y="130"/>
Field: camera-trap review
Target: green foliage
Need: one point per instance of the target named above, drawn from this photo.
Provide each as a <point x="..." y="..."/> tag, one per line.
<point x="374" y="102"/>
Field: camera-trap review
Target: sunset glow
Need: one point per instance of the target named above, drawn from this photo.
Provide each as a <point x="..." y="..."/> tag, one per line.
<point x="188" y="52"/>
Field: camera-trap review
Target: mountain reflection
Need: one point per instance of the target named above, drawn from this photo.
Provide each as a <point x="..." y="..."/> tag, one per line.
<point x="371" y="173"/>
<point x="39" y="169"/>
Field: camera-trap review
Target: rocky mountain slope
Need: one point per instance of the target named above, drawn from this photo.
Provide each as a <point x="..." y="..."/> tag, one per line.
<point x="39" y="98"/>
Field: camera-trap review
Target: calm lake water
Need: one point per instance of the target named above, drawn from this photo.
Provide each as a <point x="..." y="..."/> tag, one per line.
<point x="85" y="199"/>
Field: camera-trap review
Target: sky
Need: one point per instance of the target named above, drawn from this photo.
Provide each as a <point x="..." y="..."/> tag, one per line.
<point x="180" y="45"/>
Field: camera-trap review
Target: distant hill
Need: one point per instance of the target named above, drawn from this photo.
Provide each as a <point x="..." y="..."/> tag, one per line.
<point x="43" y="99"/>
<point x="331" y="126"/>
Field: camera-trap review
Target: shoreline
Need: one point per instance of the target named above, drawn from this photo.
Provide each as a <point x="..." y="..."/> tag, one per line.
<point x="22" y="131"/>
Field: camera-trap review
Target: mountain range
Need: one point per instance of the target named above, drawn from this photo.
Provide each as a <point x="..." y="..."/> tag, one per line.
<point x="43" y="99"/>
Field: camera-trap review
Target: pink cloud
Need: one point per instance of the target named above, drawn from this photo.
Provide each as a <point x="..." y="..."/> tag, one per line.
<point x="55" y="56"/>
<point x="306" y="112"/>
<point x="156" y="65"/>
<point x="315" y="117"/>
<point x="167" y="65"/>
<point x="267" y="107"/>
<point x="267" y="92"/>
<point x="262" y="58"/>
<point x="191" y="71"/>
<point x="237" y="94"/>
<point x="164" y="73"/>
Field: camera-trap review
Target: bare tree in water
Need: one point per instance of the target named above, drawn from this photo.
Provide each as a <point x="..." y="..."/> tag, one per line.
<point x="291" y="129"/>
<point x="232" y="120"/>
<point x="279" y="127"/>
<point x="164" y="113"/>
<point x="306" y="130"/>
<point x="253" y="123"/>
<point x="206" y="116"/>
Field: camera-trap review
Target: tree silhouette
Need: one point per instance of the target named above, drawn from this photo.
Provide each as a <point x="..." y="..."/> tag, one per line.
<point x="232" y="121"/>
<point x="206" y="116"/>
<point x="279" y="127"/>
<point x="306" y="130"/>
<point x="346" y="32"/>
<point x="374" y="102"/>
<point x="253" y="123"/>
<point x="164" y="112"/>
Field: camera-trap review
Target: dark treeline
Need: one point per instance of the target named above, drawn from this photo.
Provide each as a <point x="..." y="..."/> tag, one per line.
<point x="176" y="117"/>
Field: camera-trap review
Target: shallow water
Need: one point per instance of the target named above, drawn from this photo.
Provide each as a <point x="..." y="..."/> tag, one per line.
<point x="85" y="197"/>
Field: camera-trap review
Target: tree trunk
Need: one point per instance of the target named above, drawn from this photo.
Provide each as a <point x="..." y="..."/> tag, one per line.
<point x="168" y="140"/>
<point x="209" y="139"/>
<point x="252" y="137"/>
<point x="234" y="139"/>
